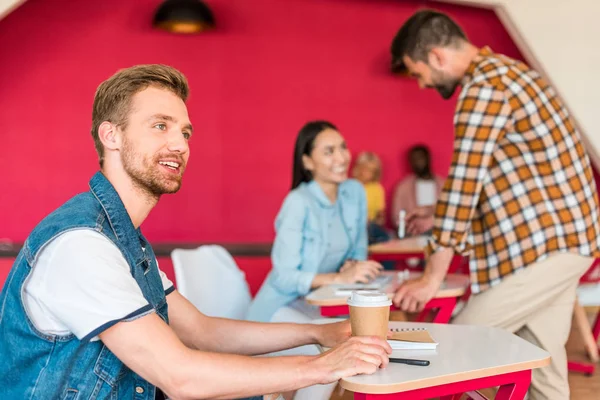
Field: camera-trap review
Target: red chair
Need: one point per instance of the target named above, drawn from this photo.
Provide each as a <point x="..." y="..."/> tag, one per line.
<point x="589" y="334"/>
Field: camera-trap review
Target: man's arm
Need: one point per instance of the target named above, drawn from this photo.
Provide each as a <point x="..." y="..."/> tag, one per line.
<point x="221" y="335"/>
<point x="413" y="295"/>
<point x="151" y="348"/>
<point x="483" y="114"/>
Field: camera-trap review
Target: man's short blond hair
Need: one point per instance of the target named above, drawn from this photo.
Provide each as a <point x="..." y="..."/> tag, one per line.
<point x="112" y="101"/>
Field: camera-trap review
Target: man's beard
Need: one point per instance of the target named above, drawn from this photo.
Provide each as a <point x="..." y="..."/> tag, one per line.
<point x="145" y="173"/>
<point x="446" y="91"/>
<point x="423" y="173"/>
<point x="446" y="86"/>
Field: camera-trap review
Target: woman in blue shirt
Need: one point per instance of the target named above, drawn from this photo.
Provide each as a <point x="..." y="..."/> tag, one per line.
<point x="321" y="229"/>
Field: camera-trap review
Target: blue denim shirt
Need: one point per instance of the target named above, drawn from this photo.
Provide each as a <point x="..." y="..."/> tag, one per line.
<point x="37" y="365"/>
<point x="301" y="242"/>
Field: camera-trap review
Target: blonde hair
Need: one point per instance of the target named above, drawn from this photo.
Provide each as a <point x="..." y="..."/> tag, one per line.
<point x="367" y="157"/>
<point x="112" y="101"/>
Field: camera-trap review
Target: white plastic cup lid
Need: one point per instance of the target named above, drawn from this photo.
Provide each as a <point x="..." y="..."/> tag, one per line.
<point x="364" y="298"/>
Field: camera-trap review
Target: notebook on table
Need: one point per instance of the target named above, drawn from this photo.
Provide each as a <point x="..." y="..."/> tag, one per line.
<point x="412" y="339"/>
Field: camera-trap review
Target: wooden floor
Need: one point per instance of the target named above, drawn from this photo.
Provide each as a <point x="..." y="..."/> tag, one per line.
<point x="582" y="387"/>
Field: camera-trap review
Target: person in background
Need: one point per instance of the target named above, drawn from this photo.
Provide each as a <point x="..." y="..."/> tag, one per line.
<point x="418" y="190"/>
<point x="87" y="313"/>
<point x="321" y="229"/>
<point x="367" y="170"/>
<point x="321" y="235"/>
<point x="520" y="197"/>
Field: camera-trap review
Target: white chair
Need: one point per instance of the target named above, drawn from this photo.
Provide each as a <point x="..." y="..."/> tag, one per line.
<point x="211" y="280"/>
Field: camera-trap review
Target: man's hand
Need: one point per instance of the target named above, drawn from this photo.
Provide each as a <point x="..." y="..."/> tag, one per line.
<point x="330" y="335"/>
<point x="357" y="355"/>
<point x="418" y="226"/>
<point x="421" y="212"/>
<point x="420" y="220"/>
<point x="413" y="294"/>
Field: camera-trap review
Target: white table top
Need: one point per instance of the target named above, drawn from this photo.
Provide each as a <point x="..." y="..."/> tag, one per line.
<point x="455" y="285"/>
<point x="400" y="246"/>
<point x="464" y="353"/>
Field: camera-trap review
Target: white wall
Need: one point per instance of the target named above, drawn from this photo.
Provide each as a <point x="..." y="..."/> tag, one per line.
<point x="6" y="6"/>
<point x="559" y="38"/>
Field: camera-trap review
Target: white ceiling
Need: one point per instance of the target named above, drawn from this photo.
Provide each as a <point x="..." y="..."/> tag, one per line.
<point x="6" y="6"/>
<point x="561" y="43"/>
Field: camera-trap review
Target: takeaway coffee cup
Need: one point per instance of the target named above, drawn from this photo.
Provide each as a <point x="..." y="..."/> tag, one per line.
<point x="369" y="313"/>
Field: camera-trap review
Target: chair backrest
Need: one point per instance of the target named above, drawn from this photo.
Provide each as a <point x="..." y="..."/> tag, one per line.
<point x="588" y="291"/>
<point x="211" y="280"/>
<point x="592" y="275"/>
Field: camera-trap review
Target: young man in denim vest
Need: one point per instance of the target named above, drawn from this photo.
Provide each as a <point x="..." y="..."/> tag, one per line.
<point x="86" y="313"/>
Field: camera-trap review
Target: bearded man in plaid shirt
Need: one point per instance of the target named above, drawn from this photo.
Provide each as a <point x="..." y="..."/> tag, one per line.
<point x="520" y="198"/>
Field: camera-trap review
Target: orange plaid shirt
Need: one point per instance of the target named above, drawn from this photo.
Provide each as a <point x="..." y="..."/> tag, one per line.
<point x="520" y="187"/>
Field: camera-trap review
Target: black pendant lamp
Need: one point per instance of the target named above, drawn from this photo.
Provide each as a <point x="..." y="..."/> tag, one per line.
<point x="184" y="16"/>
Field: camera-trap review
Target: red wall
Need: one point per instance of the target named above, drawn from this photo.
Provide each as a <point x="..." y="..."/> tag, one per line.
<point x="270" y="66"/>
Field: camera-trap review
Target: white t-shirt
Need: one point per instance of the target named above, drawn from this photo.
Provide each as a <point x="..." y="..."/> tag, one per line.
<point x="426" y="192"/>
<point x="82" y="284"/>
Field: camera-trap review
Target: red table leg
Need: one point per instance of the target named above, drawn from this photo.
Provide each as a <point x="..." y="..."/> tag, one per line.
<point x="517" y="390"/>
<point x="456" y="396"/>
<point x="513" y="386"/>
<point x="459" y="265"/>
<point x="445" y="307"/>
<point x="334" y="311"/>
<point x="596" y="327"/>
<point x="586" y="368"/>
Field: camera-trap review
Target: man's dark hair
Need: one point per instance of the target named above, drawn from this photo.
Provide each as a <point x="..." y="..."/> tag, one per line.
<point x="423" y="31"/>
<point x="419" y="148"/>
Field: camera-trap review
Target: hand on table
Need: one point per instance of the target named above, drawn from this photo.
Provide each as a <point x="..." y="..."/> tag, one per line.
<point x="421" y="212"/>
<point x="357" y="355"/>
<point x="358" y="271"/>
<point x="413" y="294"/>
<point x="419" y="220"/>
<point x="418" y="226"/>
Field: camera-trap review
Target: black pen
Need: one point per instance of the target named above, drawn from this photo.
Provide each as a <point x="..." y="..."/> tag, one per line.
<point x="420" y="363"/>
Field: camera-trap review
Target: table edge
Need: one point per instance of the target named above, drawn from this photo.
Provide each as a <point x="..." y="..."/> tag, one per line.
<point x="340" y="301"/>
<point x="443" y="380"/>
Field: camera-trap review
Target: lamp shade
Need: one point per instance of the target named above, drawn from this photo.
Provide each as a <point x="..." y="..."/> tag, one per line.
<point x="184" y="16"/>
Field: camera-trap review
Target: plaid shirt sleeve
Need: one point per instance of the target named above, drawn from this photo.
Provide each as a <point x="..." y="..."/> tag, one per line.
<point x="481" y="117"/>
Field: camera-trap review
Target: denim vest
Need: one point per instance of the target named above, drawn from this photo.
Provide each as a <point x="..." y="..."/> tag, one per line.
<point x="35" y="365"/>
